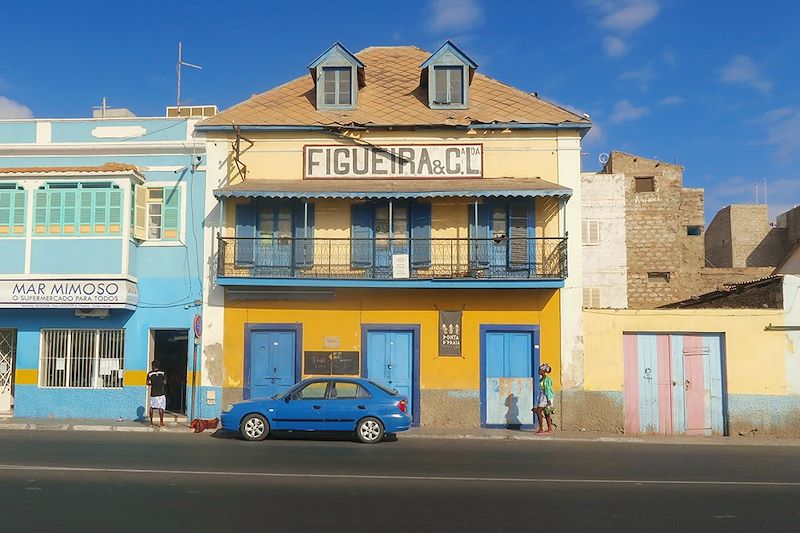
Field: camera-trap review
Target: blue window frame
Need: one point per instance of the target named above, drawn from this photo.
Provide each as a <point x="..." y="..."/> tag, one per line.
<point x="503" y="236"/>
<point x="78" y="209"/>
<point x="276" y="234"/>
<point x="375" y="238"/>
<point x="12" y="210"/>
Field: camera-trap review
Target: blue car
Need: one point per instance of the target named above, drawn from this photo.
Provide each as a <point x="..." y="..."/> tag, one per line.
<point x="355" y="405"/>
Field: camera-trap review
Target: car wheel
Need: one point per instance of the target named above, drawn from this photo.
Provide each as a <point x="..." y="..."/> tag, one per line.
<point x="254" y="427"/>
<point x="369" y="430"/>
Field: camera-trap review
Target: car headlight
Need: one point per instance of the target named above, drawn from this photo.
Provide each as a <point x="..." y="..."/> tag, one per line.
<point x="228" y="408"/>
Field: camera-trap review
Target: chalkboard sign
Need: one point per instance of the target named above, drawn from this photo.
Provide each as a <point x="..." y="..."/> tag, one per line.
<point x="318" y="363"/>
<point x="344" y="363"/>
<point x="331" y="363"/>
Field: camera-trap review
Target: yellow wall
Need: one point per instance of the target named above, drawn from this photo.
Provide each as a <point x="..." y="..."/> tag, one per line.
<point x="343" y="317"/>
<point x="754" y="358"/>
<point x="509" y="153"/>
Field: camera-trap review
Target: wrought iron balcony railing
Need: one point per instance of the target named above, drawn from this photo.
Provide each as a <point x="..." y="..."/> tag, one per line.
<point x="326" y="258"/>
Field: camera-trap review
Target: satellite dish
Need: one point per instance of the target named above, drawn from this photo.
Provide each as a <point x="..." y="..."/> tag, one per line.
<point x="603" y="158"/>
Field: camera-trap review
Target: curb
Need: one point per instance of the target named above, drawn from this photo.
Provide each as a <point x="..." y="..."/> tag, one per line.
<point x="85" y="427"/>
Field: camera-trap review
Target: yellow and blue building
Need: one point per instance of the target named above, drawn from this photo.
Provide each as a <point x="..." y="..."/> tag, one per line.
<point x="101" y="225"/>
<point x="395" y="214"/>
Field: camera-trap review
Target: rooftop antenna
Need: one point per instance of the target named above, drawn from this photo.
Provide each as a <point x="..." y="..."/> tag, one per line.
<point x="182" y="63"/>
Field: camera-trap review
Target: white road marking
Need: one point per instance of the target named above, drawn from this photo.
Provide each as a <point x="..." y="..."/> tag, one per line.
<point x="367" y="477"/>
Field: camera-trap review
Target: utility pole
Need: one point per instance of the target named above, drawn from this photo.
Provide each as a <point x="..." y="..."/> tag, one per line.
<point x="182" y="63"/>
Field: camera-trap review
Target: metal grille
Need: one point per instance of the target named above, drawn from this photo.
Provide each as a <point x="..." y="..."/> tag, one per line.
<point x="502" y="257"/>
<point x="7" y="348"/>
<point x="82" y="358"/>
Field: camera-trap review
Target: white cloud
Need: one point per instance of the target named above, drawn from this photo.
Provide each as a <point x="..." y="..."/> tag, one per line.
<point x="671" y="100"/>
<point x="614" y="46"/>
<point x="454" y="15"/>
<point x="743" y="70"/>
<point x="625" y="111"/>
<point x="11" y="109"/>
<point x="596" y="136"/>
<point x="723" y="192"/>
<point x="669" y="57"/>
<point x="628" y="16"/>
<point x="644" y="76"/>
<point x="782" y="133"/>
<point x="620" y="18"/>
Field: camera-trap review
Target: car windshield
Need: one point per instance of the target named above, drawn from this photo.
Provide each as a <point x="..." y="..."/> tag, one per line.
<point x="388" y="390"/>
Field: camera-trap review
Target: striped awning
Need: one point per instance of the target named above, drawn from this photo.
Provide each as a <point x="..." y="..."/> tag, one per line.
<point x="393" y="189"/>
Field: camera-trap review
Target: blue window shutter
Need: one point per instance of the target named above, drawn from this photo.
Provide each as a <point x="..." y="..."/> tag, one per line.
<point x="361" y="246"/>
<point x="518" y="222"/>
<point x="171" y="214"/>
<point x="304" y="243"/>
<point x="245" y="229"/>
<point x="421" y="235"/>
<point x="479" y="235"/>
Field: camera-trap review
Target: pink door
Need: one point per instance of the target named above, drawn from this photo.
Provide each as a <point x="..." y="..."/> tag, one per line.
<point x="694" y="386"/>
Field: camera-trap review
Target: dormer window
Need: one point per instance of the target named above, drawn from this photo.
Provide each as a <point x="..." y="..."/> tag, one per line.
<point x="447" y="74"/>
<point x="338" y="75"/>
<point x="337" y="86"/>
<point x="449" y="85"/>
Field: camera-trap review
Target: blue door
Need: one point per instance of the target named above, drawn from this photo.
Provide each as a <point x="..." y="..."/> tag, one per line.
<point x="272" y="363"/>
<point x="509" y="384"/>
<point x="389" y="361"/>
<point x="304" y="409"/>
<point x="347" y="403"/>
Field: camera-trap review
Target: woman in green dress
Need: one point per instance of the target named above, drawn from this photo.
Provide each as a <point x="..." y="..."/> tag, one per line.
<point x="544" y="404"/>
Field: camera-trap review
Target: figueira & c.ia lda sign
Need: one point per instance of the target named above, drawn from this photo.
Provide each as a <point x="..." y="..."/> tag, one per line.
<point x="393" y="161"/>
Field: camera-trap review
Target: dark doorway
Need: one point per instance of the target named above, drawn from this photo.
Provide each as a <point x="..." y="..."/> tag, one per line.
<point x="171" y="350"/>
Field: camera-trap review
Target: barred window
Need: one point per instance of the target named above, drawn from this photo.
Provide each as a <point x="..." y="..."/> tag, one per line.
<point x="82" y="358"/>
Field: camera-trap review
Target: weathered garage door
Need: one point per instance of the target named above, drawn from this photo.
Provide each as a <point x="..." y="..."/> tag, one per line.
<point x="674" y="383"/>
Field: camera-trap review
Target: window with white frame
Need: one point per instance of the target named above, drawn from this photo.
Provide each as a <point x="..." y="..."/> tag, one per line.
<point x="591" y="297"/>
<point x="156" y="213"/>
<point x="590" y="232"/>
<point x="449" y="85"/>
<point x="337" y="86"/>
<point x="82" y="358"/>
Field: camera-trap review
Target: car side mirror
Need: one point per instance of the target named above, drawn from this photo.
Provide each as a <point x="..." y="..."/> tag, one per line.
<point x="287" y="398"/>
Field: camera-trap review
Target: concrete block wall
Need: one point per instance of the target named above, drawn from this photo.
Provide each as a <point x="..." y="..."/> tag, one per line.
<point x="605" y="263"/>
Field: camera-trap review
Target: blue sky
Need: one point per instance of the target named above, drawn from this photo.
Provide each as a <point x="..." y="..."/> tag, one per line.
<point x="712" y="85"/>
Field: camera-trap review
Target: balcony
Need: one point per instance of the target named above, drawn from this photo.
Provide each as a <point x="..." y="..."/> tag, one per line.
<point x="466" y="261"/>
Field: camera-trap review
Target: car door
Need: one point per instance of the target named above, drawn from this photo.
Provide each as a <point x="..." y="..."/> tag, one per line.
<point x="347" y="403"/>
<point x="304" y="408"/>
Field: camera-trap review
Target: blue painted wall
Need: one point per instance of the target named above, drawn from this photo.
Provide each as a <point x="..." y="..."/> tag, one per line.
<point x="76" y="255"/>
<point x="81" y="131"/>
<point x="17" y="132"/>
<point x="12" y="252"/>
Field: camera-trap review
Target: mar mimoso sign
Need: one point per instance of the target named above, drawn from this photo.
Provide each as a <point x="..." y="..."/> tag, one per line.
<point x="394" y="161"/>
<point x="75" y="294"/>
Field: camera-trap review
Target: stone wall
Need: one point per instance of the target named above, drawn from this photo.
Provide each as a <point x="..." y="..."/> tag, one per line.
<point x="656" y="231"/>
<point x="718" y="240"/>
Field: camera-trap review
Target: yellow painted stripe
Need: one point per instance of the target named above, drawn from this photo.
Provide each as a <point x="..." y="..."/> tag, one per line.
<point x="189" y="378"/>
<point x="135" y="378"/>
<point x="27" y="376"/>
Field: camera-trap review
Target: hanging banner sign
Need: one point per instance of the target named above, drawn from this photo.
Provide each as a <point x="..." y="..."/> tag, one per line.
<point x="73" y="294"/>
<point x="394" y="161"/>
<point x="450" y="332"/>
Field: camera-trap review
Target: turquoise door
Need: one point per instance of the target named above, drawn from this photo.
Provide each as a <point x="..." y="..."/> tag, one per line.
<point x="272" y="363"/>
<point x="509" y="383"/>
<point x="389" y="361"/>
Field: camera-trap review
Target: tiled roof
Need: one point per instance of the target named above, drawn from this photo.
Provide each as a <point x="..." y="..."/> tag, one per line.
<point x="400" y="188"/>
<point x="98" y="169"/>
<point x="393" y="96"/>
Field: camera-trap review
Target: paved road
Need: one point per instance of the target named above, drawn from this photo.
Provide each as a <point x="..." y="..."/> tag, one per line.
<point x="84" y="481"/>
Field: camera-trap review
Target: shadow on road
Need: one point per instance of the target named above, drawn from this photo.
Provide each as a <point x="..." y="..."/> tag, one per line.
<point x="302" y="435"/>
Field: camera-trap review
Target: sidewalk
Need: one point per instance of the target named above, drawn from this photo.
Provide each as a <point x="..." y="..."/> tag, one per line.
<point x="87" y="424"/>
<point x="76" y="424"/>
